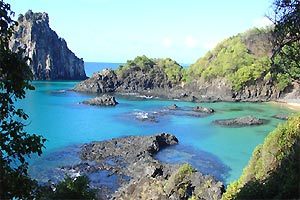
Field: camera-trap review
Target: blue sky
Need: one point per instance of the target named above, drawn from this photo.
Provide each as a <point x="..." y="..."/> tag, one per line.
<point x="118" y="30"/>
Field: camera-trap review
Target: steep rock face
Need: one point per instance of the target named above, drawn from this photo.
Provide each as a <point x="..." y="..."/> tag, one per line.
<point x="258" y="42"/>
<point x="261" y="91"/>
<point x="51" y="59"/>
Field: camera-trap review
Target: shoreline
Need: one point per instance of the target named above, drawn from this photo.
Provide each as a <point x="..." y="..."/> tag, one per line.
<point x="291" y="105"/>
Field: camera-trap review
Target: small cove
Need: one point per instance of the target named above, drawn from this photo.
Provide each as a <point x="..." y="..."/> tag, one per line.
<point x="56" y="114"/>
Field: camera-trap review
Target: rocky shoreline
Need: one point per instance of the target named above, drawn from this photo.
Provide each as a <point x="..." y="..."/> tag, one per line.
<point x="139" y="175"/>
<point x="108" y="81"/>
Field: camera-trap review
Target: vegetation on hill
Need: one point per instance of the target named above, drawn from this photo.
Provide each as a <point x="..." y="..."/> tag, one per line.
<point x="245" y="59"/>
<point x="273" y="171"/>
<point x="171" y="68"/>
<point x="236" y="59"/>
<point x="286" y="41"/>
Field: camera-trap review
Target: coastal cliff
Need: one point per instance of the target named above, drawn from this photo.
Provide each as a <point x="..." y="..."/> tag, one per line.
<point x="50" y="57"/>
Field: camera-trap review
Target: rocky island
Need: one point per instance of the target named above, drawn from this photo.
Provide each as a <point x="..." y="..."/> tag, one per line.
<point x="50" y="57"/>
<point x="105" y="100"/>
<point x="240" y="121"/>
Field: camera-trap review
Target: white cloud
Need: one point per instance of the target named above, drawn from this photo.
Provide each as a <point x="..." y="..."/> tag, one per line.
<point x="210" y="44"/>
<point x="167" y="42"/>
<point x="190" y="41"/>
<point x="262" y="22"/>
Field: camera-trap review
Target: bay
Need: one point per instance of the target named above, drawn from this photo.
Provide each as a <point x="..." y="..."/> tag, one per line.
<point x="55" y="113"/>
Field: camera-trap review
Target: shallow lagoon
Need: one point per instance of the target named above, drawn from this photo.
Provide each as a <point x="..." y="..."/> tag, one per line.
<point x="56" y="114"/>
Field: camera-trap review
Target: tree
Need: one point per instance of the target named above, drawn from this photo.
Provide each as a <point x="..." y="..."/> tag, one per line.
<point x="286" y="34"/>
<point x="16" y="145"/>
<point x="77" y="188"/>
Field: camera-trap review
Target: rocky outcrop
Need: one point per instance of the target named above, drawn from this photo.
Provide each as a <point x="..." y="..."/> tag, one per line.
<point x="291" y="94"/>
<point x="105" y="100"/>
<point x="240" y="121"/>
<point x="140" y="80"/>
<point x="101" y="82"/>
<point x="173" y="107"/>
<point x="281" y="116"/>
<point x="182" y="183"/>
<point x="50" y="57"/>
<point x="133" y="157"/>
<point x="204" y="109"/>
<point x="261" y="91"/>
<point x="134" y="152"/>
<point x="218" y="89"/>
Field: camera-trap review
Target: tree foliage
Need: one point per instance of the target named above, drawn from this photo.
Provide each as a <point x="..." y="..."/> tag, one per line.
<point x="231" y="59"/>
<point x="15" y="143"/>
<point x="69" y="188"/>
<point x="171" y="68"/>
<point x="286" y="40"/>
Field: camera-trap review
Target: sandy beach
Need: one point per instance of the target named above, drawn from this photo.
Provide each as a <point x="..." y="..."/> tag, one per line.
<point x="293" y="104"/>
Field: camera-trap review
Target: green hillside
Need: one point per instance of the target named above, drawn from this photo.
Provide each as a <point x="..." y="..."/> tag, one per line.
<point x="242" y="59"/>
<point x="273" y="172"/>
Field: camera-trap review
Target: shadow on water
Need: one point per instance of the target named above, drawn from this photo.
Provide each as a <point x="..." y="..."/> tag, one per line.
<point x="55" y="166"/>
<point x="46" y="167"/>
<point x="204" y="162"/>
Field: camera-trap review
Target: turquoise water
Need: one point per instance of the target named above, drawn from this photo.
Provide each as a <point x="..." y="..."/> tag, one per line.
<point x="56" y="114"/>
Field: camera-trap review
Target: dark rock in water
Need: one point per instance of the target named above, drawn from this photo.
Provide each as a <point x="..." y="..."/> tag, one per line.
<point x="131" y="149"/>
<point x="50" y="57"/>
<point x="281" y="116"/>
<point x="104" y="100"/>
<point x="240" y="121"/>
<point x="101" y="82"/>
<point x="173" y="107"/>
<point x="133" y="156"/>
<point x="203" y="109"/>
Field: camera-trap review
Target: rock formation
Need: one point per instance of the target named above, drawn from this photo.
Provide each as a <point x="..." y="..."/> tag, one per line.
<point x="50" y="57"/>
<point x="102" y="82"/>
<point x="132" y="156"/>
<point x="105" y="100"/>
<point x="240" y="121"/>
<point x="204" y="109"/>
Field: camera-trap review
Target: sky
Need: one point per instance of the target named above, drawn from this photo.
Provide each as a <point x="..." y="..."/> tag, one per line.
<point x="119" y="30"/>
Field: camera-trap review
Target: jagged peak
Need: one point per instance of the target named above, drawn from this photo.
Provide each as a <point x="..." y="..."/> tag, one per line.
<point x="34" y="17"/>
